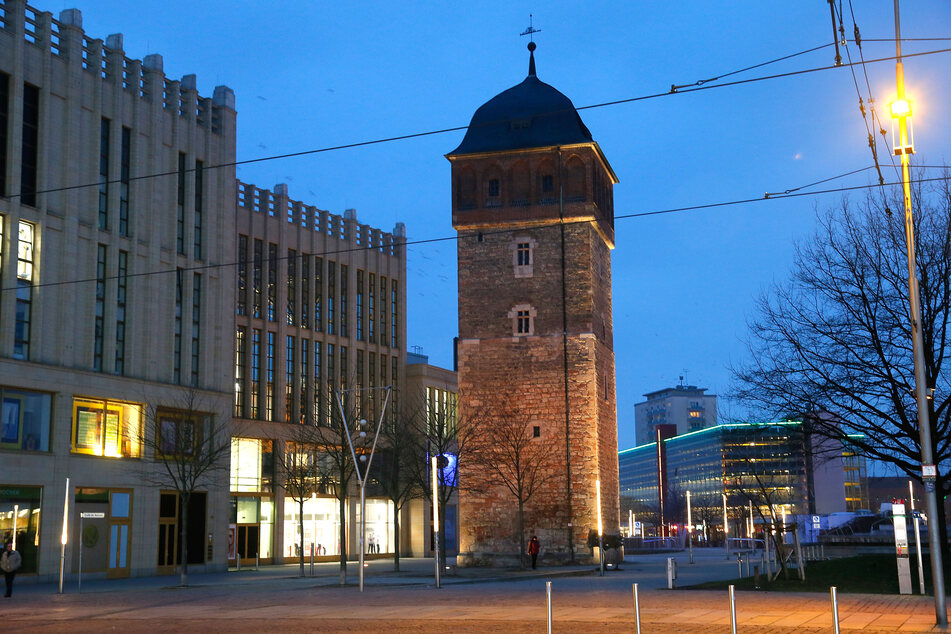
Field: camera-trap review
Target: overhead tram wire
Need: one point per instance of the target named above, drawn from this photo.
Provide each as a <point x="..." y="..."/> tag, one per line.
<point x="416" y="135"/>
<point x="791" y="193"/>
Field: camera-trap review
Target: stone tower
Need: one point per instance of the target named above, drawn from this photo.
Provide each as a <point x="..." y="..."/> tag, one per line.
<point x="532" y="203"/>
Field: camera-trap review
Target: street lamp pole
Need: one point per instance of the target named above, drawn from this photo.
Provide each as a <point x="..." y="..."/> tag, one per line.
<point x="597" y="485"/>
<point x="362" y="476"/>
<point x="902" y="112"/>
<point x="435" y="472"/>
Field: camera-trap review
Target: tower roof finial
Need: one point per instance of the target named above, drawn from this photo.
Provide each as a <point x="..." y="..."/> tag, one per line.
<point x="530" y="32"/>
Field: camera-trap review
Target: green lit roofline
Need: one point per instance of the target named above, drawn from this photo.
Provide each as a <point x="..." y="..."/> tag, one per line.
<point x="710" y="430"/>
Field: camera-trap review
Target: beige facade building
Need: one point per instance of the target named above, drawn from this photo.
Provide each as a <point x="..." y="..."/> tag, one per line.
<point x="320" y="307"/>
<point x="113" y="294"/>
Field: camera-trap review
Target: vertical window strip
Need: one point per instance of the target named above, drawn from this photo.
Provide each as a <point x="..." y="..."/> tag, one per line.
<point x="343" y="367"/>
<point x="318" y="292"/>
<point x="196" y="327"/>
<point x="371" y="383"/>
<point x="99" y="322"/>
<point x="291" y="285"/>
<point x="331" y="292"/>
<point x="242" y="275"/>
<point x="122" y="280"/>
<point x="199" y="197"/>
<point x="371" y="315"/>
<point x="240" y="356"/>
<point x="302" y="381"/>
<point x="394" y="315"/>
<point x="104" y="132"/>
<point x="255" y="372"/>
<point x="271" y="281"/>
<point x="125" y="167"/>
<point x="177" y="369"/>
<point x="30" y="145"/>
<point x="24" y="301"/>
<point x="4" y="137"/>
<point x="318" y="387"/>
<point x="359" y="305"/>
<point x="361" y="393"/>
<point x="257" y="276"/>
<point x="394" y="381"/>
<point x="289" y="381"/>
<point x="331" y="382"/>
<point x="180" y="231"/>
<point x="304" y="291"/>
<point x="383" y="310"/>
<point x="344" y="292"/>
<point x="269" y="378"/>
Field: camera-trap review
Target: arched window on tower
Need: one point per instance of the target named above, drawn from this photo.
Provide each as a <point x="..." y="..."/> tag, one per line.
<point x="466" y="189"/>
<point x="546" y="183"/>
<point x="521" y="185"/>
<point x="575" y="180"/>
<point x="493" y="187"/>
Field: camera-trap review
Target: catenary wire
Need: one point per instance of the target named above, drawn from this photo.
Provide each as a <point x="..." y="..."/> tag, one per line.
<point x="644" y="214"/>
<point x="415" y="135"/>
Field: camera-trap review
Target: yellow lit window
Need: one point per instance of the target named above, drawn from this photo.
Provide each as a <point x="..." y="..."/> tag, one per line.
<point x="106" y="428"/>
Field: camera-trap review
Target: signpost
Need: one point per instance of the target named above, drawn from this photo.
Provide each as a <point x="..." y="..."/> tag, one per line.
<point x="901" y="546"/>
<point x="84" y="516"/>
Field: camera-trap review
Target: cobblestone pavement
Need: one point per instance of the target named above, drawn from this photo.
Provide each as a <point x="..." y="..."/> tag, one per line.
<point x="580" y="604"/>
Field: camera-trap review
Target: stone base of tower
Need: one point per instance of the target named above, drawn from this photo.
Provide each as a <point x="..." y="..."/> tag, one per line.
<point x="488" y="510"/>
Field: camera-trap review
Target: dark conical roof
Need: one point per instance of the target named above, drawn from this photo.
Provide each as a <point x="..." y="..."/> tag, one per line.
<point x="529" y="115"/>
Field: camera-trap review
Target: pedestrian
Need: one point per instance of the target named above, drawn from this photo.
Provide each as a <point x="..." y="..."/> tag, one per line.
<point x="533" y="548"/>
<point x="10" y="562"/>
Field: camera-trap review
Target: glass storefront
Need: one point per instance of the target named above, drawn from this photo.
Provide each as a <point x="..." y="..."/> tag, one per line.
<point x="24" y="420"/>
<point x="379" y="526"/>
<point x="251" y="528"/>
<point x="321" y="522"/>
<point x="20" y="521"/>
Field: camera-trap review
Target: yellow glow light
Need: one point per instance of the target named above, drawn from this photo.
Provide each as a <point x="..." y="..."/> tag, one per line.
<point x="597" y="485"/>
<point x="900" y="108"/>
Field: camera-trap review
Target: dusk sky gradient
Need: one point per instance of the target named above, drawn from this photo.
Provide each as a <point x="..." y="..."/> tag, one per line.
<point x="310" y="75"/>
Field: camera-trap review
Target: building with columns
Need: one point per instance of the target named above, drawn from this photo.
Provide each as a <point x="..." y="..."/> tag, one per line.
<point x="532" y="204"/>
<point x="113" y="294"/>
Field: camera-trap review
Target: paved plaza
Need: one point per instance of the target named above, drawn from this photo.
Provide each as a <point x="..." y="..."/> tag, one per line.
<point x="273" y="599"/>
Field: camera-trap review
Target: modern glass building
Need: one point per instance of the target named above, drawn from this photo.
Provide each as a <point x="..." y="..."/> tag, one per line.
<point x="727" y="469"/>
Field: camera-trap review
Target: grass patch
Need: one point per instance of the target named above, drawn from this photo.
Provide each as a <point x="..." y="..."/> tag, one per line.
<point x="873" y="574"/>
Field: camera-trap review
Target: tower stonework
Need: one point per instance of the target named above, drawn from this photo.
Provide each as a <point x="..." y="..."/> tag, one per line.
<point x="532" y="204"/>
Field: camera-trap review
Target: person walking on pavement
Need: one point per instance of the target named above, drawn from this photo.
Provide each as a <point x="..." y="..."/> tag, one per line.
<point x="533" y="548"/>
<point x="10" y="562"/>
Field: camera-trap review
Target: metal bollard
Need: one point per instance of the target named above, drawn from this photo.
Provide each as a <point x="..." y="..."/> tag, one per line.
<point x="311" y="560"/>
<point x="756" y="576"/>
<point x="835" y="610"/>
<point x="257" y="560"/>
<point x="733" y="609"/>
<point x="739" y="566"/>
<point x="637" y="610"/>
<point x="548" y="594"/>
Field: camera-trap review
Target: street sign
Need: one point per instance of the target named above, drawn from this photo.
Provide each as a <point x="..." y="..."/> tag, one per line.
<point x="92" y="516"/>
<point x="929" y="472"/>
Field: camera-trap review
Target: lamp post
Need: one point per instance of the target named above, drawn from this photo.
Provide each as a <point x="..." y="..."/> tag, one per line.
<point x="597" y="488"/>
<point x="16" y="511"/>
<point x="689" y="528"/>
<point x="435" y="469"/>
<point x="63" y="538"/>
<point x="726" y="530"/>
<point x="362" y="475"/>
<point x="901" y="110"/>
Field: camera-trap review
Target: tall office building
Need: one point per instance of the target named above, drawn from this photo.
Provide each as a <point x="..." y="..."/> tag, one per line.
<point x="113" y="298"/>
<point x="687" y="407"/>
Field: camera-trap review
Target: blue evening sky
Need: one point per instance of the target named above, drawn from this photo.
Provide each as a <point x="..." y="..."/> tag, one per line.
<point x="316" y="74"/>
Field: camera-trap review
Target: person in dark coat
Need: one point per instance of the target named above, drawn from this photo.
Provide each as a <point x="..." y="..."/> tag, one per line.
<point x="533" y="548"/>
<point x="10" y="562"/>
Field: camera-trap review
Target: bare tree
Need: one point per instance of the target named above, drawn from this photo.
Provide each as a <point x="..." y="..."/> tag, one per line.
<point x="516" y="456"/>
<point x="299" y="473"/>
<point x="836" y="336"/>
<point x="192" y="447"/>
<point x="398" y="466"/>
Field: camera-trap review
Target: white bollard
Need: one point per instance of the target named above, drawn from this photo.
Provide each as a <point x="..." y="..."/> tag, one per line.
<point x="548" y="593"/>
<point x="637" y="610"/>
<point x="835" y="610"/>
<point x="733" y="609"/>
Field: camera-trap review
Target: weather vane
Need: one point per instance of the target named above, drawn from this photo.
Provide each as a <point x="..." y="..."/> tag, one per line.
<point x="531" y="30"/>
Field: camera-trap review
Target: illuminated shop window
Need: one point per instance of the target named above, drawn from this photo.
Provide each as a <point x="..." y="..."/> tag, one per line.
<point x="106" y="428"/>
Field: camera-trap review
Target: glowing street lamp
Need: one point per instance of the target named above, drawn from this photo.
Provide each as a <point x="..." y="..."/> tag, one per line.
<point x="64" y="537"/>
<point x="904" y="148"/>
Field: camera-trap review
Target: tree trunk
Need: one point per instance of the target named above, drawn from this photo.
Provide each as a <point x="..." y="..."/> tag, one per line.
<point x="396" y="537"/>
<point x="300" y="530"/>
<point x="521" y="533"/>
<point x="343" y="539"/>
<point x="184" y="537"/>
